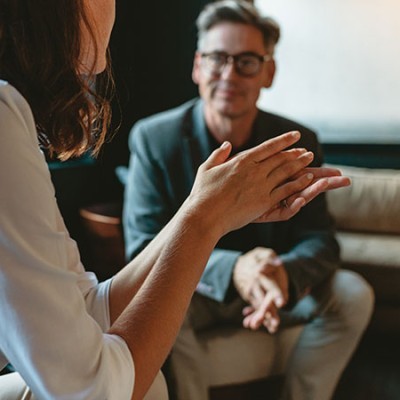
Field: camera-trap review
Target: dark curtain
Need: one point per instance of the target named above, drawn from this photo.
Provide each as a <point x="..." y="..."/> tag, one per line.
<point x="152" y="48"/>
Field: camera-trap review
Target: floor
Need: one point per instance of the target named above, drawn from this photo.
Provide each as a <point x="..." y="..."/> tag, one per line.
<point x="372" y="374"/>
<point x="374" y="371"/>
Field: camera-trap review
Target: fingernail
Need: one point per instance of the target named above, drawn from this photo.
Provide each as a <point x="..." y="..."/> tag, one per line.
<point x="224" y="145"/>
<point x="310" y="176"/>
<point x="296" y="134"/>
<point x="276" y="261"/>
<point x="309" y="154"/>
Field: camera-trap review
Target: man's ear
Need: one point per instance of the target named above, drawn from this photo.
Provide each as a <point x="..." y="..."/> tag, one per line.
<point x="196" y="68"/>
<point x="269" y="73"/>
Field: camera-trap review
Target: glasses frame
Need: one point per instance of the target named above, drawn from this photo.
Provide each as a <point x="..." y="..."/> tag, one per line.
<point x="234" y="59"/>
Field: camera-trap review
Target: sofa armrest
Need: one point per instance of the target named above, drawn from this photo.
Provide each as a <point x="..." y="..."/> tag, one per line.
<point x="370" y="204"/>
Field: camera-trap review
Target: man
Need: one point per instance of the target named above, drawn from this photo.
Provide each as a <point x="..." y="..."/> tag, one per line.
<point x="263" y="275"/>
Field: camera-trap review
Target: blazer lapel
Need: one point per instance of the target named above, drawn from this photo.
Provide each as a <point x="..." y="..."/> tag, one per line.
<point x="196" y="144"/>
<point x="263" y="128"/>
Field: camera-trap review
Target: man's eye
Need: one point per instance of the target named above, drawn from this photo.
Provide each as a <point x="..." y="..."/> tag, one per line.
<point x="246" y="61"/>
<point x="217" y="58"/>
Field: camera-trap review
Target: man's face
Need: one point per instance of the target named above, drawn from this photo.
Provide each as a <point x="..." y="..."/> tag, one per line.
<point x="228" y="92"/>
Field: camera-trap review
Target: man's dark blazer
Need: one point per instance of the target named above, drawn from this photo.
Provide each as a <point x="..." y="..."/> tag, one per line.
<point x="167" y="149"/>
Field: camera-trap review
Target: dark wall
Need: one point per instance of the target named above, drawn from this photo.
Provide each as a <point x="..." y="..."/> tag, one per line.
<point x="152" y="48"/>
<point x="363" y="155"/>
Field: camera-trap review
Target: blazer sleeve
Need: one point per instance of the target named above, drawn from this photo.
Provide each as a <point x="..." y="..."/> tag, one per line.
<point x="216" y="279"/>
<point x="146" y="206"/>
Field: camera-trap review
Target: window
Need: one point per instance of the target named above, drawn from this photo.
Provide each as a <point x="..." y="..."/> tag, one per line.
<point x="338" y="67"/>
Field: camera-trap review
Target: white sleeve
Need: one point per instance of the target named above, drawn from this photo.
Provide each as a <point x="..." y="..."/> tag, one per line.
<point x="46" y="331"/>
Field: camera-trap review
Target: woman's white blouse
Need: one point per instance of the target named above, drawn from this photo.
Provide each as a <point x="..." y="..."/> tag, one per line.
<point x="53" y="314"/>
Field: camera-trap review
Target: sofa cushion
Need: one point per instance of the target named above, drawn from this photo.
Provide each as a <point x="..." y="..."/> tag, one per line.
<point x="370" y="204"/>
<point x="377" y="258"/>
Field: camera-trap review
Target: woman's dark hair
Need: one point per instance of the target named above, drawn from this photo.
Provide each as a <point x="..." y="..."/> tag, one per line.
<point x="40" y="44"/>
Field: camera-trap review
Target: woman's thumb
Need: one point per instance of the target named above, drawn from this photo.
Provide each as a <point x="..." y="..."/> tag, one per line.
<point x="219" y="155"/>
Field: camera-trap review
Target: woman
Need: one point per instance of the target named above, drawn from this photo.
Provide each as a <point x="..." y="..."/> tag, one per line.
<point x="67" y="335"/>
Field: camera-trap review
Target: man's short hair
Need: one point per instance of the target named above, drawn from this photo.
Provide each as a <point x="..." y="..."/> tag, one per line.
<point x="236" y="11"/>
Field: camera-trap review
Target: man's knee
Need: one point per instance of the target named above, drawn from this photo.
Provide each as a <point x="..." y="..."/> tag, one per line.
<point x="354" y="297"/>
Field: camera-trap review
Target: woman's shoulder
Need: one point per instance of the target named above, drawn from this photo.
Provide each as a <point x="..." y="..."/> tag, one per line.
<point x="8" y="93"/>
<point x="12" y="98"/>
<point x="14" y="109"/>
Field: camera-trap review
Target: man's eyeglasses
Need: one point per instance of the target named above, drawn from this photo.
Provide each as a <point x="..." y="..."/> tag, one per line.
<point x="245" y="64"/>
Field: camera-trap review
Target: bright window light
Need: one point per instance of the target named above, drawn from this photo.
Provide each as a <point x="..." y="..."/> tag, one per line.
<point x="338" y="67"/>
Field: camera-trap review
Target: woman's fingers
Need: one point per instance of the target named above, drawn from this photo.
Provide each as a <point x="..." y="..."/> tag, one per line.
<point x="252" y="185"/>
<point x="290" y="188"/>
<point x="273" y="146"/>
<point x="322" y="172"/>
<point x="292" y="204"/>
<point x="289" y="199"/>
<point x="280" y="213"/>
<point x="336" y="182"/>
<point x="258" y="153"/>
<point x="319" y="186"/>
<point x="289" y="168"/>
<point x="333" y="175"/>
<point x="218" y="156"/>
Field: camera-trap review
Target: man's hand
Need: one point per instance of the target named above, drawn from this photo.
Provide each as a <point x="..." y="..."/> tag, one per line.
<point x="261" y="280"/>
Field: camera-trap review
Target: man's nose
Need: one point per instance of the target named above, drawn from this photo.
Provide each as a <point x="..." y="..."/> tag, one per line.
<point x="229" y="69"/>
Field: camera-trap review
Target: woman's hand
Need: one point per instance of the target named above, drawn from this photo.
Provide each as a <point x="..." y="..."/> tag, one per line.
<point x="263" y="184"/>
<point x="251" y="185"/>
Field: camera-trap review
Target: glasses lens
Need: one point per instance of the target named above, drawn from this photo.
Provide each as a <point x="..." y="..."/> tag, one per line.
<point x="247" y="64"/>
<point x="214" y="62"/>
